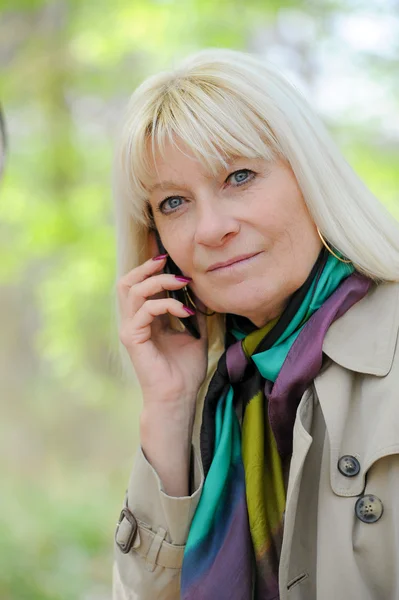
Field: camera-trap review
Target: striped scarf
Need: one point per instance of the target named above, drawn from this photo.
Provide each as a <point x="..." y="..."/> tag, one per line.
<point x="234" y="543"/>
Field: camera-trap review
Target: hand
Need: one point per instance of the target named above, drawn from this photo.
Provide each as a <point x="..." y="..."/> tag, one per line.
<point x="170" y="366"/>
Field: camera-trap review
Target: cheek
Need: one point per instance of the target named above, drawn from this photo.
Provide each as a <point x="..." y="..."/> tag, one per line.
<point x="181" y="254"/>
<point x="277" y="209"/>
<point x="178" y="242"/>
<point x="290" y="218"/>
<point x="276" y="226"/>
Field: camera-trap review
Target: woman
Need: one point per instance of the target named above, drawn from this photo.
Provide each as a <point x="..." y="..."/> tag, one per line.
<point x="268" y="464"/>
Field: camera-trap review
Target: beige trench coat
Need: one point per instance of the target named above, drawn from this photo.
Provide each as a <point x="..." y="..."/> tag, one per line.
<point x="331" y="550"/>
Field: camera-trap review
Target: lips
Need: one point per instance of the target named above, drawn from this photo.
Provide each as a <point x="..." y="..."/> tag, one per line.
<point x="219" y="265"/>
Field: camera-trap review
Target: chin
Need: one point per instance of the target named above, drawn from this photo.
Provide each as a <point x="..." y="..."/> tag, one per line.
<point x="243" y="302"/>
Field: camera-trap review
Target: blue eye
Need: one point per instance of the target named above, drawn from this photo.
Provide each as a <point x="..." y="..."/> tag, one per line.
<point x="241" y="176"/>
<point x="172" y="203"/>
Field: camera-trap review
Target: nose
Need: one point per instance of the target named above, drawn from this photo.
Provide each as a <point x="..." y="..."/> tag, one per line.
<point x="214" y="223"/>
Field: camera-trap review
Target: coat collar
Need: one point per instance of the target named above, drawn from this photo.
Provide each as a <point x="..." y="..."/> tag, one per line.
<point x="364" y="338"/>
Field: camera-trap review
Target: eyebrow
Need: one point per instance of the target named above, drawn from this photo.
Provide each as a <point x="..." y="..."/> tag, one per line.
<point x="176" y="184"/>
<point x="166" y="184"/>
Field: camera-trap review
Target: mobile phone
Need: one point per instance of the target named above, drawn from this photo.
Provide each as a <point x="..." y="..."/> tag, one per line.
<point x="190" y="323"/>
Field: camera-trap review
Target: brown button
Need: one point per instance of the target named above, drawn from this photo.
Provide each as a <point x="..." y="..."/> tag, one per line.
<point x="369" y="508"/>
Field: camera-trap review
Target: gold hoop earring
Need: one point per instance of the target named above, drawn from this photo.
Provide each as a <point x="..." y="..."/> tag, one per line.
<point x="195" y="306"/>
<point x="329" y="249"/>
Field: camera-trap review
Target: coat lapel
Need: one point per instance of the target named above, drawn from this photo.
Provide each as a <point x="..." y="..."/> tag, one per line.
<point x="362" y="341"/>
<point x="364" y="338"/>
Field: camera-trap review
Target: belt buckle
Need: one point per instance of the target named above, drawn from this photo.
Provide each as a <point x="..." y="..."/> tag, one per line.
<point x="125" y="547"/>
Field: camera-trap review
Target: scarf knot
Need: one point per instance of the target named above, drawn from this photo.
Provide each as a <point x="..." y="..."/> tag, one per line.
<point x="237" y="363"/>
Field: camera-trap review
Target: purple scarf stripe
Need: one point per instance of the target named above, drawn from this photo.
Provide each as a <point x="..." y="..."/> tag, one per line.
<point x="304" y="360"/>
<point x="236" y="362"/>
<point x="230" y="575"/>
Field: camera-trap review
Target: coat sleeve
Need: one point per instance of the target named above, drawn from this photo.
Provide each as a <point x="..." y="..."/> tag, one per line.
<point x="153" y="528"/>
<point x="156" y="527"/>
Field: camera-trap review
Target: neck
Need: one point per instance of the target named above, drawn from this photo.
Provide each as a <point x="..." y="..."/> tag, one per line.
<point x="260" y="320"/>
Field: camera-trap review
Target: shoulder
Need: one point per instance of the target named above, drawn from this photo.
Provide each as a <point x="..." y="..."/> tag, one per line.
<point x="364" y="339"/>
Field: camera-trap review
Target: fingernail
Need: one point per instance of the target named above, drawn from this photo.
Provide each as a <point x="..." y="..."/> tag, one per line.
<point x="190" y="312"/>
<point x="182" y="278"/>
<point x="159" y="257"/>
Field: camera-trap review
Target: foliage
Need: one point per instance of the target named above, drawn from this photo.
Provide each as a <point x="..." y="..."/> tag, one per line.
<point x="69" y="426"/>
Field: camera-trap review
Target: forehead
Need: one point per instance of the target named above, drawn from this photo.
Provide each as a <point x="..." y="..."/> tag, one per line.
<point x="177" y="164"/>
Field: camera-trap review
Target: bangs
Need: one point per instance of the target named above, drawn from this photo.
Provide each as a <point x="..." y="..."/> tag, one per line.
<point x="213" y="121"/>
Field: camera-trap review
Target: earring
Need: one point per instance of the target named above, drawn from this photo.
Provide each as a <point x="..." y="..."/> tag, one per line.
<point x="329" y="249"/>
<point x="185" y="289"/>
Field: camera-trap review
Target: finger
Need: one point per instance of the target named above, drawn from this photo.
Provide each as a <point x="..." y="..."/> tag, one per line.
<point x="157" y="286"/>
<point x="140" y="325"/>
<point x="138" y="274"/>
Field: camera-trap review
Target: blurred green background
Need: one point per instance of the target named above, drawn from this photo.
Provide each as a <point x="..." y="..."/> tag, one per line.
<point x="68" y="428"/>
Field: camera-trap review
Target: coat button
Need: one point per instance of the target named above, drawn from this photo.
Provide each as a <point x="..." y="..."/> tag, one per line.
<point x="348" y="466"/>
<point x="369" y="508"/>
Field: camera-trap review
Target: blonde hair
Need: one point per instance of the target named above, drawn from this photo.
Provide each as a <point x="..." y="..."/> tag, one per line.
<point x="223" y="103"/>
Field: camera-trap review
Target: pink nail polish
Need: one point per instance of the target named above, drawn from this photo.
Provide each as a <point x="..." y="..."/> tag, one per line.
<point x="159" y="257"/>
<point x="190" y="312"/>
<point x="182" y="278"/>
